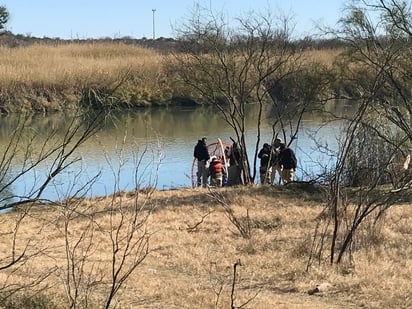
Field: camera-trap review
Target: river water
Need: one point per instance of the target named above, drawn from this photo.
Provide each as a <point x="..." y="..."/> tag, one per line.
<point x="154" y="147"/>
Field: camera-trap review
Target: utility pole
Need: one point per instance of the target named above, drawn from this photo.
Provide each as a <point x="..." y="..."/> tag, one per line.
<point x="154" y="33"/>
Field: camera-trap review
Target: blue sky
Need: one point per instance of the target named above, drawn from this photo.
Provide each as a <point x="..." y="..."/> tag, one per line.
<point x="103" y="18"/>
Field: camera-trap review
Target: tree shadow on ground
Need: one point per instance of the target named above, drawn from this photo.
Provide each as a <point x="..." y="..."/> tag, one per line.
<point x="203" y="197"/>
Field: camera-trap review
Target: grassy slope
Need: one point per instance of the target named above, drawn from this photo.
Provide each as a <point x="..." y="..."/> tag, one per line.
<point x="53" y="77"/>
<point x="187" y="267"/>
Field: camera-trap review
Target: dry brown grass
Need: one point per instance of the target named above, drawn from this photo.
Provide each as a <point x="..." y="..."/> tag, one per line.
<point x="324" y="56"/>
<point x="190" y="263"/>
<point x="50" y="76"/>
<point x="69" y="64"/>
<point x="54" y="77"/>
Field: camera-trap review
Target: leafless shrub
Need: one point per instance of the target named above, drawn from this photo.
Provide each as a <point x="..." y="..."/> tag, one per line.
<point x="28" y="149"/>
<point x="254" y="61"/>
<point x="243" y="224"/>
<point x="219" y="279"/>
<point x="378" y="137"/>
<point x="194" y="227"/>
<point x="123" y="236"/>
<point x="350" y="208"/>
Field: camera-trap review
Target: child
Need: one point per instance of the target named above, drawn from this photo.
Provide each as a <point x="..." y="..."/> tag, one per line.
<point x="216" y="171"/>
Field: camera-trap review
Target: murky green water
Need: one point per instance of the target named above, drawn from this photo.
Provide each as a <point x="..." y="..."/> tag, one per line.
<point x="153" y="147"/>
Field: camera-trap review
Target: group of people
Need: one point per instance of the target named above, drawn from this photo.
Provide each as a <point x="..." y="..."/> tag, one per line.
<point x="273" y="158"/>
<point x="220" y="174"/>
<point x="276" y="158"/>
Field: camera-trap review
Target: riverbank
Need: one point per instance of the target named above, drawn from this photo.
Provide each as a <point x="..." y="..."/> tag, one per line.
<point x="194" y="245"/>
<point x="49" y="76"/>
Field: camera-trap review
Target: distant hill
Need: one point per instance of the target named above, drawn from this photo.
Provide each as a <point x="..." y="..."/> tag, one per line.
<point x="162" y="45"/>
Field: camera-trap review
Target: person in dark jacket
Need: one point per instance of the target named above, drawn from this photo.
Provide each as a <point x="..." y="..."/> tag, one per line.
<point x="266" y="156"/>
<point x="288" y="163"/>
<point x="276" y="168"/>
<point x="234" y="174"/>
<point x="201" y="153"/>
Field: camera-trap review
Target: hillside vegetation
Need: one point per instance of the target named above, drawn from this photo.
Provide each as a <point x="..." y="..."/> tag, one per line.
<point x="53" y="75"/>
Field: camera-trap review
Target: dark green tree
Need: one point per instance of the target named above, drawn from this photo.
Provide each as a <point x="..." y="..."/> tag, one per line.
<point x="4" y="17"/>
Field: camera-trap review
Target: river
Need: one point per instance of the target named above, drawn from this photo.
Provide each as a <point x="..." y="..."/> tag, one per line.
<point x="160" y="142"/>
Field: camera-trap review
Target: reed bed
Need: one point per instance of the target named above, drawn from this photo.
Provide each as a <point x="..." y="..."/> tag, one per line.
<point x="63" y="71"/>
<point x="324" y="56"/>
<point x="68" y="64"/>
<point x="56" y="77"/>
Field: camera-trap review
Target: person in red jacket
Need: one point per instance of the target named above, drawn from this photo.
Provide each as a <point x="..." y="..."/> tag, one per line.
<point x="216" y="172"/>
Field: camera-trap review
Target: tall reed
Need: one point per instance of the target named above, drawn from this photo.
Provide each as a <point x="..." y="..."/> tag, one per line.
<point x="62" y="71"/>
<point x="56" y="77"/>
